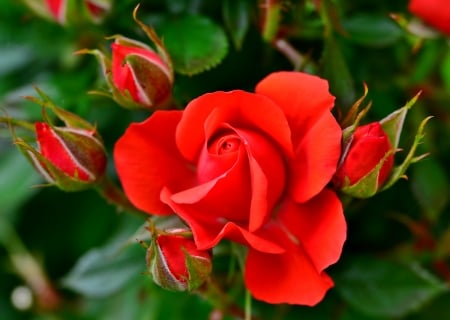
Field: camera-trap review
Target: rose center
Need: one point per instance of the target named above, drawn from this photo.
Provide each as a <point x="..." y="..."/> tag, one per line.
<point x="225" y="144"/>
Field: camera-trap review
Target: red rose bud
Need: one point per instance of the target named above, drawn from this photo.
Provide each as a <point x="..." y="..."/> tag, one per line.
<point x="175" y="262"/>
<point x="140" y="75"/>
<point x="435" y="13"/>
<point x="57" y="9"/>
<point x="367" y="161"/>
<point x="97" y="9"/>
<point x="72" y="159"/>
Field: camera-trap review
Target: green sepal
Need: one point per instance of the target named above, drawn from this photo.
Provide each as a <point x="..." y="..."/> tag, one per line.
<point x="122" y="98"/>
<point x="354" y="112"/>
<point x="399" y="171"/>
<point x="70" y="119"/>
<point x="199" y="270"/>
<point x="151" y="34"/>
<point x="367" y="186"/>
<point x="393" y="124"/>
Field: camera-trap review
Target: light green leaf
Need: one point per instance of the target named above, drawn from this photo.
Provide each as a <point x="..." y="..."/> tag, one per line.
<point x="104" y="271"/>
<point x="384" y="288"/>
<point x="17" y="179"/>
<point x="195" y="43"/>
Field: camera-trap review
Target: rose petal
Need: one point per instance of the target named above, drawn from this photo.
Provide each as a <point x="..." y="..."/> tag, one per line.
<point x="209" y="230"/>
<point x="303" y="98"/>
<point x="319" y="226"/>
<point x="238" y="109"/>
<point x="214" y="198"/>
<point x="147" y="160"/>
<point x="267" y="176"/>
<point x="289" y="277"/>
<point x="316" y="159"/>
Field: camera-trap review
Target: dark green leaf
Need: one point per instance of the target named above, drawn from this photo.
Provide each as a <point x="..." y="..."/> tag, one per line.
<point x="236" y="14"/>
<point x="195" y="43"/>
<point x="384" y="288"/>
<point x="445" y="70"/>
<point x="430" y="186"/>
<point x="336" y="71"/>
<point x="372" y="29"/>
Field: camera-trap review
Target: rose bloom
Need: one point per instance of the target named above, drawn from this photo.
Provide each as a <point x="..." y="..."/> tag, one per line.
<point x="251" y="168"/>
<point x="434" y="12"/>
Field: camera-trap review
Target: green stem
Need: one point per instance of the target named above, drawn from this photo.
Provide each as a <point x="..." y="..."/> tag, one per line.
<point x="18" y="123"/>
<point x="290" y="53"/>
<point x="28" y="268"/>
<point x="223" y="302"/>
<point x="115" y="196"/>
<point x="248" y="305"/>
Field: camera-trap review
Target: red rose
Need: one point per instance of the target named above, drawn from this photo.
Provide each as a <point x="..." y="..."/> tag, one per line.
<point x="434" y="12"/>
<point x="368" y="147"/>
<point x="251" y="168"/>
<point x="140" y="72"/>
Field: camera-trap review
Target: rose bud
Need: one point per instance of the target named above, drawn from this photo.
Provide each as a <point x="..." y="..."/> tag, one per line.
<point x="72" y="159"/>
<point x="367" y="161"/>
<point x="97" y="9"/>
<point x="57" y="9"/>
<point x="435" y="13"/>
<point x="140" y="74"/>
<point x="175" y="262"/>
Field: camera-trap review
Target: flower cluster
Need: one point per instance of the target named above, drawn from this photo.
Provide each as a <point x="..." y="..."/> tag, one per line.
<point x="266" y="170"/>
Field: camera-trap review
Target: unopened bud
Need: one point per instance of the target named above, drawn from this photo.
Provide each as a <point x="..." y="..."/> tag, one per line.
<point x="367" y="161"/>
<point x="140" y="73"/>
<point x="175" y="262"/>
<point x="72" y="159"/>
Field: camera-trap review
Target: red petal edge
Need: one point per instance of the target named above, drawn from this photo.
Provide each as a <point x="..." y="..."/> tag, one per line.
<point x="147" y="160"/>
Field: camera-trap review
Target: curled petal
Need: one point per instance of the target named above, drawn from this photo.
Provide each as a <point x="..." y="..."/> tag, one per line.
<point x="208" y="230"/>
<point x="147" y="160"/>
<point x="210" y="112"/>
<point x="316" y="158"/>
<point x="303" y="98"/>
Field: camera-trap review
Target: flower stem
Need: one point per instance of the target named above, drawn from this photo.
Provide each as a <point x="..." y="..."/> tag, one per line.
<point x="290" y="53"/>
<point x="248" y="305"/>
<point x="115" y="196"/>
<point x="28" y="268"/>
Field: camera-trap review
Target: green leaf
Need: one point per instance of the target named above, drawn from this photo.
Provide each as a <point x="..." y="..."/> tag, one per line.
<point x="384" y="288"/>
<point x="369" y="29"/>
<point x="236" y="14"/>
<point x="430" y="186"/>
<point x="195" y="43"/>
<point x="336" y="71"/>
<point x="104" y="271"/>
<point x="17" y="178"/>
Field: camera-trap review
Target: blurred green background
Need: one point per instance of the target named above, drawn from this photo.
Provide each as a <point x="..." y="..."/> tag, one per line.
<point x="396" y="260"/>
